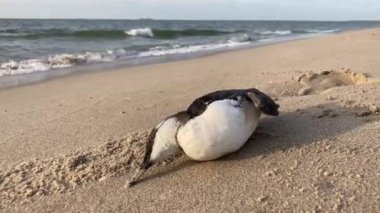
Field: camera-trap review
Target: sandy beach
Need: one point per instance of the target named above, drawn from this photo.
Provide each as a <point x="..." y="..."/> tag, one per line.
<point x="70" y="144"/>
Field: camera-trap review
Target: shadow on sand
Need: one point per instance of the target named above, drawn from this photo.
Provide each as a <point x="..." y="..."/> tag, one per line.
<point x="289" y="130"/>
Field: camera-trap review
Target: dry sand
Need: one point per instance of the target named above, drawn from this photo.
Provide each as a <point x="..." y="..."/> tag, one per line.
<point x="67" y="145"/>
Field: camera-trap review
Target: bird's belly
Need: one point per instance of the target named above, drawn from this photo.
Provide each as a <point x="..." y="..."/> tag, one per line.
<point x="218" y="133"/>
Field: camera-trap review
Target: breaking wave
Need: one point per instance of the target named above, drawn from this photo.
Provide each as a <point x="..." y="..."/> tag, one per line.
<point x="125" y="41"/>
<point x="289" y="32"/>
<point x="315" y="31"/>
<point x="167" y="34"/>
<point x="112" y="34"/>
<point x="13" y="67"/>
<point x="52" y="62"/>
<point x="160" y="51"/>
<point x="277" y="32"/>
<point x="143" y="32"/>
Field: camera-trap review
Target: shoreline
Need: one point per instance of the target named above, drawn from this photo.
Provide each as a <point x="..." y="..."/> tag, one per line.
<point x="17" y="80"/>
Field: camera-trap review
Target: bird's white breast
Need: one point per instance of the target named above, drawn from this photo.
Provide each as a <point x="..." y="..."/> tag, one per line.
<point x="223" y="128"/>
<point x="165" y="142"/>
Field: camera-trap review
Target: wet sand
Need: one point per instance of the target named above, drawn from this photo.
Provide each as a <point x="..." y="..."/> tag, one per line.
<point x="70" y="144"/>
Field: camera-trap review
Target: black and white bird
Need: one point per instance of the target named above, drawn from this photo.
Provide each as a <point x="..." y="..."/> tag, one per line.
<point x="214" y="125"/>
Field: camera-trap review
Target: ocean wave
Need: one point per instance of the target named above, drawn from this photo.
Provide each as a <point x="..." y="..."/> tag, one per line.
<point x="315" y="31"/>
<point x="240" y="38"/>
<point x="325" y="31"/>
<point x="36" y="34"/>
<point x="167" y="34"/>
<point x="289" y="32"/>
<point x="70" y="60"/>
<point x="111" y="34"/>
<point x="52" y="62"/>
<point x="277" y="32"/>
<point x="161" y="51"/>
<point x="143" y="32"/>
<point x="147" y="33"/>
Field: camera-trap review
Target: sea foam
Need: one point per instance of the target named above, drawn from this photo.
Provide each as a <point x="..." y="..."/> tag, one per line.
<point x="52" y="62"/>
<point x="191" y="49"/>
<point x="143" y="32"/>
<point x="277" y="32"/>
<point x="13" y="67"/>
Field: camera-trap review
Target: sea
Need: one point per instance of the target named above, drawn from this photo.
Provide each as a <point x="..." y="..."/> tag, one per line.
<point x="49" y="48"/>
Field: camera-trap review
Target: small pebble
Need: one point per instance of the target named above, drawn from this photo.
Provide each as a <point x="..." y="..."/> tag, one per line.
<point x="262" y="198"/>
<point x="351" y="199"/>
<point x="302" y="190"/>
<point x="374" y="108"/>
<point x="338" y="206"/>
<point x="305" y="91"/>
<point x="326" y="72"/>
<point x="330" y="98"/>
<point x="269" y="174"/>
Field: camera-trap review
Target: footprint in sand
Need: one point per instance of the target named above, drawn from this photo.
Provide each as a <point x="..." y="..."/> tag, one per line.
<point x="311" y="83"/>
<point x="316" y="83"/>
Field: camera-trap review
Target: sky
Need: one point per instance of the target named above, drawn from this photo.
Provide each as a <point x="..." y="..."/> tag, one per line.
<point x="194" y="9"/>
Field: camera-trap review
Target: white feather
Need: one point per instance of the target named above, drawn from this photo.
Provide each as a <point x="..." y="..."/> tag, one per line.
<point x="223" y="128"/>
<point x="165" y="142"/>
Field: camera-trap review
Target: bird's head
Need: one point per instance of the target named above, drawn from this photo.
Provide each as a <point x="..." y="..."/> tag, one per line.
<point x="263" y="102"/>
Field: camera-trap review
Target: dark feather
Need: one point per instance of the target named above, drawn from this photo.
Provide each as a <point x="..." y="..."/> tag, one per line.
<point x="199" y="105"/>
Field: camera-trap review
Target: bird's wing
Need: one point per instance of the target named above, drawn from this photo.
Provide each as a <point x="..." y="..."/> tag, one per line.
<point x="182" y="117"/>
<point x="199" y="105"/>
